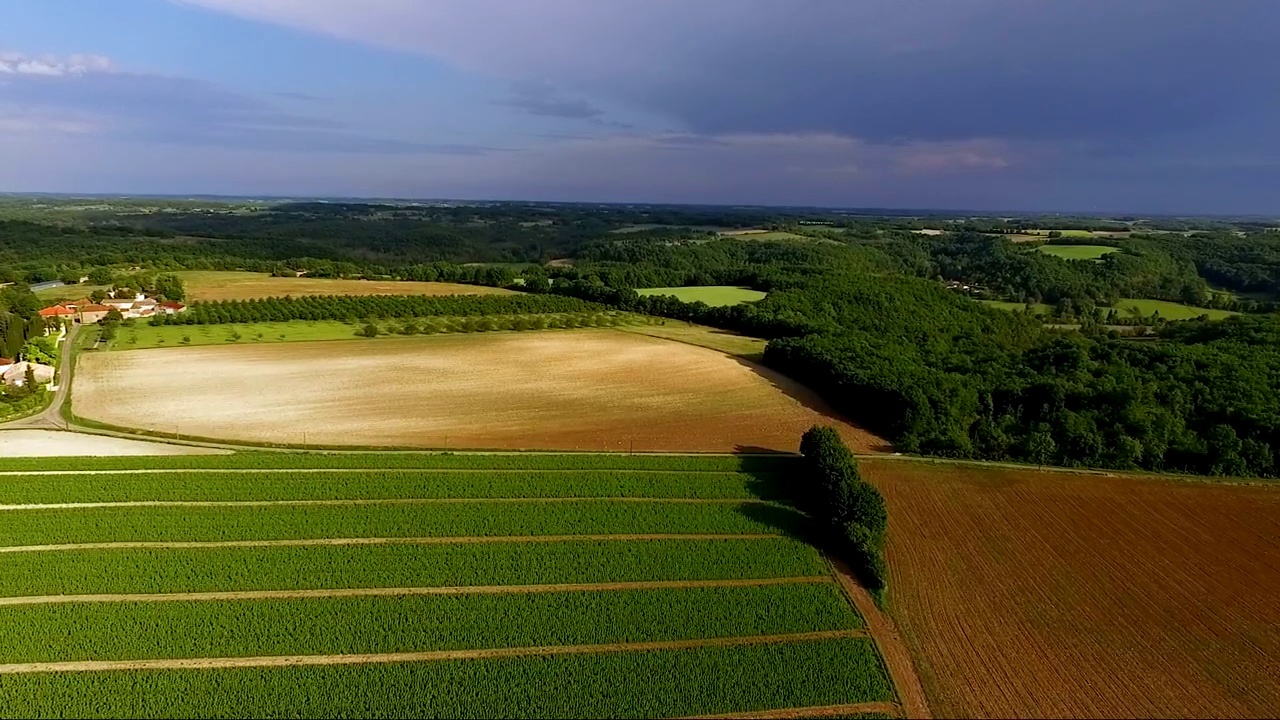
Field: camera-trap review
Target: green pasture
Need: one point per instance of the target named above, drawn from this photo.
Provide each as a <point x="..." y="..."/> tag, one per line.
<point x="715" y="295"/>
<point x="1170" y="310"/>
<point x="1037" y="308"/>
<point x="1078" y="252"/>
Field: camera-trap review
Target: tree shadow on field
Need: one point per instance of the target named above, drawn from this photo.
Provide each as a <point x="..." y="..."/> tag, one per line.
<point x="809" y="399"/>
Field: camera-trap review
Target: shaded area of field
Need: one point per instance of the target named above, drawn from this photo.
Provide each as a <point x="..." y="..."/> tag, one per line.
<point x="725" y="341"/>
<point x="226" y="285"/>
<point x="1078" y="252"/>
<point x="1054" y="595"/>
<point x="571" y="390"/>
<point x="711" y="294"/>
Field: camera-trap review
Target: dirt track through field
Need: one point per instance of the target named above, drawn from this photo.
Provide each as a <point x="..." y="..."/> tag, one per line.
<point x="314" y="542"/>
<point x="893" y="650"/>
<point x="570" y="390"/>
<point x="382" y="501"/>
<point x="817" y="711"/>
<point x="231" y="595"/>
<point x="429" y="656"/>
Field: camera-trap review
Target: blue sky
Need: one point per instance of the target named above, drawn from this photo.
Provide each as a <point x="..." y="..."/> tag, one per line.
<point x="1077" y="105"/>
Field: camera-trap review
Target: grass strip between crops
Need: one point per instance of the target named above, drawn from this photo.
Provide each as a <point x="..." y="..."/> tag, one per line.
<point x="342" y="484"/>
<point x="347" y="523"/>
<point x="411" y="460"/>
<point x="314" y="542"/>
<point x="359" y="626"/>
<point x="494" y="562"/>
<point x="211" y="663"/>
<point x="657" y="683"/>
<point x="228" y="595"/>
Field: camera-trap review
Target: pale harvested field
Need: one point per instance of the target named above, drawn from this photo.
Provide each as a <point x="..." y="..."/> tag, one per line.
<point x="52" y="443"/>
<point x="217" y="285"/>
<point x="558" y="390"/>
<point x="1030" y="594"/>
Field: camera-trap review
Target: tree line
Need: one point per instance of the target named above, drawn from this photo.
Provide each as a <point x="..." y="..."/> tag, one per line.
<point x="359" y="307"/>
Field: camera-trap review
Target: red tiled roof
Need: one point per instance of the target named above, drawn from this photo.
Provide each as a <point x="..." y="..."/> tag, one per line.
<point x="172" y="305"/>
<point x="56" y="310"/>
<point x="96" y="308"/>
<point x="5" y="361"/>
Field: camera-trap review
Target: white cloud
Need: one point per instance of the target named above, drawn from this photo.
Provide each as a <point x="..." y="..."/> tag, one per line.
<point x="12" y="63"/>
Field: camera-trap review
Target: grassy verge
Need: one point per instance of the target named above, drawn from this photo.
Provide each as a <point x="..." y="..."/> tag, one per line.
<point x="285" y="568"/>
<point x="375" y="485"/>
<point x="462" y="519"/>
<point x="325" y="626"/>
<point x="644" y="684"/>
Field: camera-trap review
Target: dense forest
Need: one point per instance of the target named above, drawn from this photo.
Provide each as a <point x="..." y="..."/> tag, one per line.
<point x="875" y="314"/>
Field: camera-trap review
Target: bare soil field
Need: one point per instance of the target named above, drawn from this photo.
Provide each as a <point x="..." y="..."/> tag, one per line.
<point x="561" y="390"/>
<point x="1028" y="594"/>
<point x="52" y="443"/>
<point x="218" y="285"/>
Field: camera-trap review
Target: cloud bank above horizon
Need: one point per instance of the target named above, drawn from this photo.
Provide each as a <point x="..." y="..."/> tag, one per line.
<point x="1088" y="105"/>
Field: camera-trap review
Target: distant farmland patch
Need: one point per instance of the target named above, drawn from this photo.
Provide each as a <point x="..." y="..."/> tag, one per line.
<point x="1078" y="252"/>
<point x="1171" y="310"/>
<point x="1037" y="308"/>
<point x="220" y="285"/>
<point x="709" y="294"/>
<point x="1045" y="594"/>
<point x="565" y="390"/>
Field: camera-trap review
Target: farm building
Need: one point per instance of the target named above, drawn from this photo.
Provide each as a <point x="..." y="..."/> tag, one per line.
<point x="90" y="314"/>
<point x="57" y="311"/>
<point x="16" y="373"/>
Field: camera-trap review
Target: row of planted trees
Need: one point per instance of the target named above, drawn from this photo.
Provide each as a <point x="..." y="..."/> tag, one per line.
<point x="850" y="511"/>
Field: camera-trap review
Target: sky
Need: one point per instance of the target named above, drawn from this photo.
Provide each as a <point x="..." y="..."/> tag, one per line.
<point x="1109" y="106"/>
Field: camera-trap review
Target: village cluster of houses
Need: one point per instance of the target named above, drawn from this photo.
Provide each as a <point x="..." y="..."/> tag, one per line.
<point x="88" y="312"/>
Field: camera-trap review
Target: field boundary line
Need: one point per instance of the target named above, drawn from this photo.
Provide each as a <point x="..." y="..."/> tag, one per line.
<point x="249" y="471"/>
<point x="814" y="711"/>
<point x="382" y="501"/>
<point x="889" y="645"/>
<point x="441" y="540"/>
<point x="231" y="595"/>
<point x="425" y="656"/>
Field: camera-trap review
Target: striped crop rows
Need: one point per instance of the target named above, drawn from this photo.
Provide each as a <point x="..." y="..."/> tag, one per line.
<point x="451" y="586"/>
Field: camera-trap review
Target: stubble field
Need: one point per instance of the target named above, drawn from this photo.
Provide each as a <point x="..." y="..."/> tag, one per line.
<point x="1023" y="593"/>
<point x="564" y="390"/>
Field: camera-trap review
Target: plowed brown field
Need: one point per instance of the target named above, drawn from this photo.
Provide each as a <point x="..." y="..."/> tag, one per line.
<point x="555" y="390"/>
<point x="1024" y="593"/>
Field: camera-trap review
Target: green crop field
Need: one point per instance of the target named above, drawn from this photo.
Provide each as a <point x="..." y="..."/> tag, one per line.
<point x="710" y="294"/>
<point x="1037" y="308"/>
<point x="1078" y="252"/>
<point x="418" y="585"/>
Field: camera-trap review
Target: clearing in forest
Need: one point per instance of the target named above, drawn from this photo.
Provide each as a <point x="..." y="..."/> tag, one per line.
<point x="621" y="609"/>
<point x="564" y="390"/>
<point x="227" y="285"/>
<point x="710" y="294"/>
<point x="1047" y="594"/>
<point x="1078" y="252"/>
